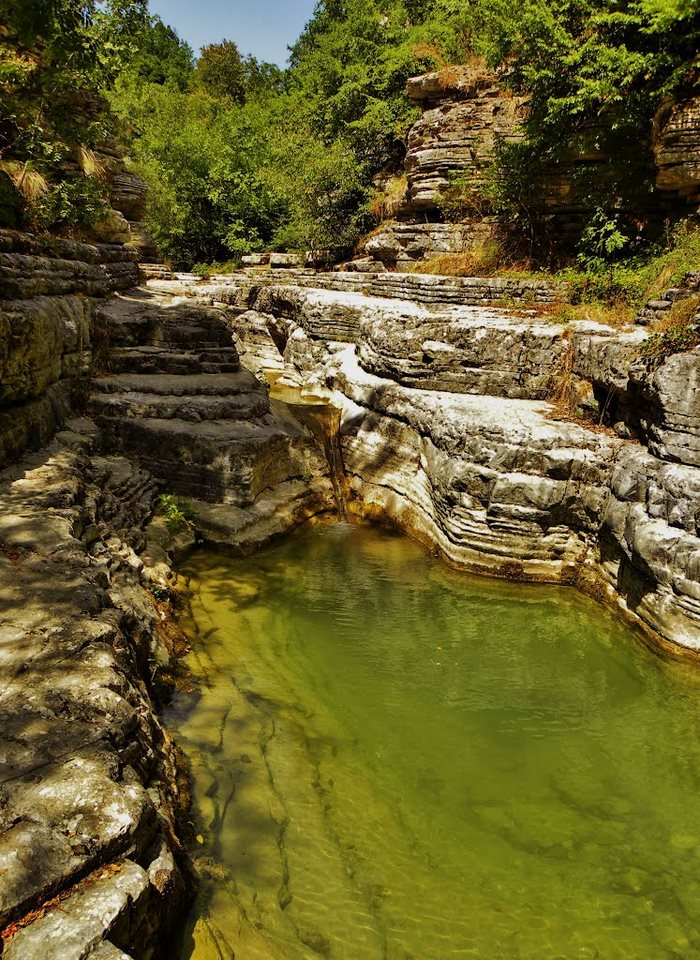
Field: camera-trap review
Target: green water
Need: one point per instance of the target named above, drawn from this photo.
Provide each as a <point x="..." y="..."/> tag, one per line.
<point x="394" y="760"/>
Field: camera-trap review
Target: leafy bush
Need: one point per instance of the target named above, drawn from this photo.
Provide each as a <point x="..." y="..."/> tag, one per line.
<point x="178" y="511"/>
<point x="56" y="59"/>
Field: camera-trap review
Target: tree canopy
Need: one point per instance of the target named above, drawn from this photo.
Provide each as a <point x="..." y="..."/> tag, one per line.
<point x="240" y="154"/>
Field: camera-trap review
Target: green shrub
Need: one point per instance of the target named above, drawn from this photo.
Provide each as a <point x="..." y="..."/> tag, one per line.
<point x="178" y="511"/>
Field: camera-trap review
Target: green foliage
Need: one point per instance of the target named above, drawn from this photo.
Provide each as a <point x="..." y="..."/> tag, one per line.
<point x="178" y="511"/>
<point x="161" y="56"/>
<point x="349" y="71"/>
<point x="678" y="337"/>
<point x="323" y="193"/>
<point x="636" y="279"/>
<point x="75" y="201"/>
<point x="56" y="59"/>
<point x="602" y="240"/>
<point x="220" y="73"/>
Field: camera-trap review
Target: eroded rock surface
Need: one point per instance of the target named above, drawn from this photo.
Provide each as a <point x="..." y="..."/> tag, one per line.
<point x="447" y="433"/>
<point x="409" y="400"/>
<point x="48" y="291"/>
<point x="676" y="146"/>
<point x="89" y="783"/>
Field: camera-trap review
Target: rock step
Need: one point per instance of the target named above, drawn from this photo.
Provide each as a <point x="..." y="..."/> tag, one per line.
<point x="153" y="359"/>
<point x="227" y="461"/>
<point x="139" y="320"/>
<point x="193" y="408"/>
<point x="190" y="385"/>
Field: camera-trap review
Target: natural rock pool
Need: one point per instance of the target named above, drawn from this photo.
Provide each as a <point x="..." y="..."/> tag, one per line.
<point x="395" y="760"/>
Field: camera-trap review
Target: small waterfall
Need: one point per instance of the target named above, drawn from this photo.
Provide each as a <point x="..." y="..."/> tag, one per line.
<point x="322" y="419"/>
<point x="334" y="455"/>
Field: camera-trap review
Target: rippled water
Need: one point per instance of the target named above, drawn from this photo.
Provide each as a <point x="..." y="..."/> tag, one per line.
<point x="393" y="760"/>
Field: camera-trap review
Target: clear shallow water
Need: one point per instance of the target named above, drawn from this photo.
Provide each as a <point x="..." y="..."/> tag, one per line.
<point x="394" y="760"/>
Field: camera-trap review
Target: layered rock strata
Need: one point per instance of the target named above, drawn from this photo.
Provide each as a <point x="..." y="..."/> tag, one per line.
<point x="91" y="861"/>
<point x="447" y="433"/>
<point x="406" y="400"/>
<point x="177" y="398"/>
<point x="466" y="113"/>
<point x="90" y="851"/>
<point x="676" y="149"/>
<point x="48" y="292"/>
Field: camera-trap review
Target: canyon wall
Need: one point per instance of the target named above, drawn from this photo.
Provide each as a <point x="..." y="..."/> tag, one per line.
<point x="448" y="432"/>
<point x="48" y="292"/>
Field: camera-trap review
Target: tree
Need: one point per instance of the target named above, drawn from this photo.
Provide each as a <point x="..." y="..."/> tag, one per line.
<point x="161" y="56"/>
<point x="57" y="57"/>
<point x="220" y="71"/>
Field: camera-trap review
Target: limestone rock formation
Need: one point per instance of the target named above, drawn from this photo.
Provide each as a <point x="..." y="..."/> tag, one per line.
<point x="127" y="195"/>
<point x="677" y="149"/>
<point x="465" y="113"/>
<point x="446" y="433"/>
<point x="177" y="398"/>
<point x="89" y="793"/>
<point x="47" y="297"/>
<point x="417" y="401"/>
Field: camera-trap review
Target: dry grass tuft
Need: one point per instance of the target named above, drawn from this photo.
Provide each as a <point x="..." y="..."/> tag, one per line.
<point x="386" y="203"/>
<point x="618" y="315"/>
<point x="90" y="164"/>
<point x="681" y="314"/>
<point x="454" y="75"/>
<point x="28" y="183"/>
<point x="677" y="332"/>
<point x="429" y="51"/>
<point x="486" y="260"/>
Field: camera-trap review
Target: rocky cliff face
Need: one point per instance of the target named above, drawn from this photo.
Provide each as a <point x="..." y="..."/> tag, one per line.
<point x="448" y="434"/>
<point x="90" y="797"/>
<point x="677" y="150"/>
<point x="422" y="402"/>
<point x="466" y="112"/>
<point x="48" y="292"/>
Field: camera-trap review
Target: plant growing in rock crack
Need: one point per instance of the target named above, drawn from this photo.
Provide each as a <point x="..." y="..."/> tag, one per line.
<point x="677" y="332"/>
<point x="178" y="511"/>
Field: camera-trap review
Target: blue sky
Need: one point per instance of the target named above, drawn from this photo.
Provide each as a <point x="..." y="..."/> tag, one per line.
<point x="264" y="28"/>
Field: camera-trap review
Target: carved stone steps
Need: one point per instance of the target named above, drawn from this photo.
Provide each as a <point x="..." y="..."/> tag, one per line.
<point x="225" y="461"/>
<point x="190" y="385"/>
<point x="158" y="359"/>
<point x="193" y="409"/>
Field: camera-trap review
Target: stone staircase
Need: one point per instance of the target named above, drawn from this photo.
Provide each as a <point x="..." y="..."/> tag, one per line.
<point x="176" y="398"/>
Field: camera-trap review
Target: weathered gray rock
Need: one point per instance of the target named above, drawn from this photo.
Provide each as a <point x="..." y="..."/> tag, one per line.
<point x="46" y="286"/>
<point x="472" y="350"/>
<point x="491" y="482"/>
<point x="128" y="195"/>
<point x="668" y="399"/>
<point x="465" y="113"/>
<point x="286" y="261"/>
<point x="42" y="340"/>
<point x="30" y="267"/>
<point x="112" y="227"/>
<point x="399" y="244"/>
<point x="204" y="429"/>
<point x="89" y="775"/>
